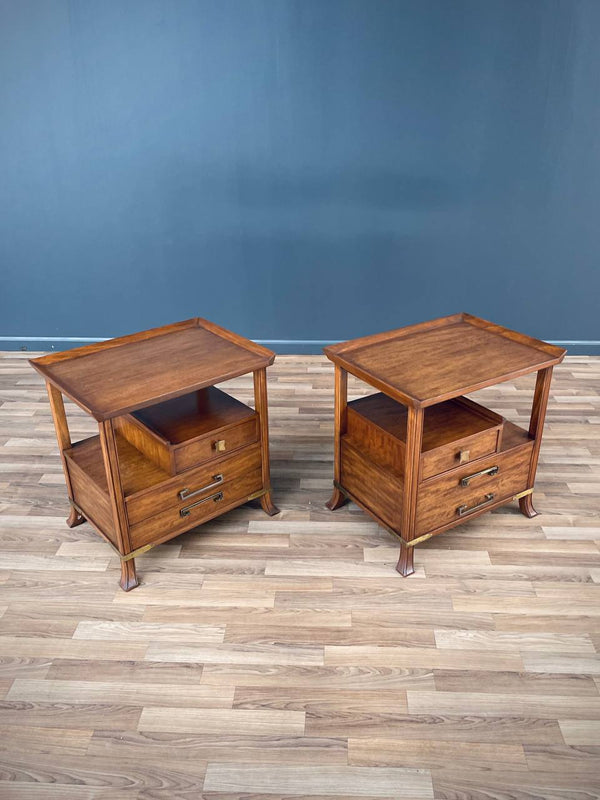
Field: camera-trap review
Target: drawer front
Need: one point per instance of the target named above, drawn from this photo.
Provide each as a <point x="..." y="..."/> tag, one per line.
<point x="198" y="482"/>
<point x="194" y="511"/>
<point x="216" y="445"/>
<point x="377" y="489"/>
<point x="439" y="498"/>
<point x="463" y="451"/>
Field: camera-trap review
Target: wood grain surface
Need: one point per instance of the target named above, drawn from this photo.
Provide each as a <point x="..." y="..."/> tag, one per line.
<point x="284" y="657"/>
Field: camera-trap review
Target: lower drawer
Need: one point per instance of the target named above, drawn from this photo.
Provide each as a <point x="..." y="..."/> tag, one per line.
<point x="376" y="488"/>
<point x="456" y="495"/>
<point x="198" y="482"/>
<point x="186" y="515"/>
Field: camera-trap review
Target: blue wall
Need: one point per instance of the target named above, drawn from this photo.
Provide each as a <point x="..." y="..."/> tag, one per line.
<point x="299" y="169"/>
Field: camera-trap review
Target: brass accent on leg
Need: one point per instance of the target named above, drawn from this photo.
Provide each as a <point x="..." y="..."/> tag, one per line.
<point x="413" y="542"/>
<point x="522" y="494"/>
<point x="256" y="495"/>
<point x="135" y="553"/>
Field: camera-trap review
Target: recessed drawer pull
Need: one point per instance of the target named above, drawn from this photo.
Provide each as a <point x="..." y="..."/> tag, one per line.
<point x="489" y="471"/>
<point x="185" y="493"/>
<point x="185" y="512"/>
<point x="462" y="510"/>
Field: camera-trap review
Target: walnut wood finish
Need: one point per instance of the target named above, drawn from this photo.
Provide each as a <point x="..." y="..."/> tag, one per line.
<point x="536" y="428"/>
<point x="338" y="498"/>
<point x="451" y="430"/>
<point x="188" y="430"/>
<point x="284" y="657"/>
<point x="116" y="496"/>
<point x="262" y="409"/>
<point x="455" y="458"/>
<point x="406" y="363"/>
<point x="167" y="437"/>
<point x="231" y="468"/>
<point x="112" y="378"/>
<point x="63" y="437"/>
<point x="194" y="415"/>
<point x="441" y="496"/>
<point x="378" y="489"/>
<point x="166" y="524"/>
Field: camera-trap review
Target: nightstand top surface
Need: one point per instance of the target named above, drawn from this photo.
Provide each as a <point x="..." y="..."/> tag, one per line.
<point x="131" y="372"/>
<point x="424" y="364"/>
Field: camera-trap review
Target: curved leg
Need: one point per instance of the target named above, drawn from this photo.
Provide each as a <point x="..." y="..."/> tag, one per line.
<point x="337" y="499"/>
<point x="405" y="562"/>
<point x="129" y="578"/>
<point x="526" y="506"/>
<point x="268" y="506"/>
<point x="74" y="518"/>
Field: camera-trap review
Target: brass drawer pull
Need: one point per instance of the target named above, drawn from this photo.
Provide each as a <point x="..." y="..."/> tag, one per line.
<point x="462" y="510"/>
<point x="220" y="445"/>
<point x="489" y="471"/>
<point x="185" y="512"/>
<point x="185" y="493"/>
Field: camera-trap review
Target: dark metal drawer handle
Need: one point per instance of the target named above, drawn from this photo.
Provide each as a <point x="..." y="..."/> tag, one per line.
<point x="462" y="510"/>
<point x="185" y="493"/>
<point x="489" y="471"/>
<point x="185" y="512"/>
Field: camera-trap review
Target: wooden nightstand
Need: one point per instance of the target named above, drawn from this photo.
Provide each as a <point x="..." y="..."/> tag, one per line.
<point x="172" y="451"/>
<point x="420" y="458"/>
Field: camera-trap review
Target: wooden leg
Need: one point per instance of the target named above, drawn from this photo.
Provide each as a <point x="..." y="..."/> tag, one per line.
<point x="526" y="506"/>
<point x="129" y="578"/>
<point x="337" y="499"/>
<point x="262" y="409"/>
<point x="405" y="562"/>
<point x="414" y="442"/>
<point x="267" y="504"/>
<point x="74" y="518"/>
<point x="340" y="400"/>
<point x="63" y="437"/>
<point x="110" y="456"/>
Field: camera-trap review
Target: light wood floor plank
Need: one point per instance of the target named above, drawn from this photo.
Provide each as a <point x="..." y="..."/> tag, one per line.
<point x="145" y="694"/>
<point x="193" y="720"/>
<point x="349" y="781"/>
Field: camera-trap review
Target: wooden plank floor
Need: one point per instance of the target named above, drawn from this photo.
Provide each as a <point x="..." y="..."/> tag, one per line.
<point x="284" y="657"/>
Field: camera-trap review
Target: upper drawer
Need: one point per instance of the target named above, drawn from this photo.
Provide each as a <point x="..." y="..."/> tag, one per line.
<point x="454" y="432"/>
<point x="194" y="484"/>
<point x="187" y="431"/>
<point x="462" y="451"/>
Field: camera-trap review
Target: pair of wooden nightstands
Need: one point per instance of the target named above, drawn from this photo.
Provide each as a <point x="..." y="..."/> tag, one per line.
<point x="174" y="451"/>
